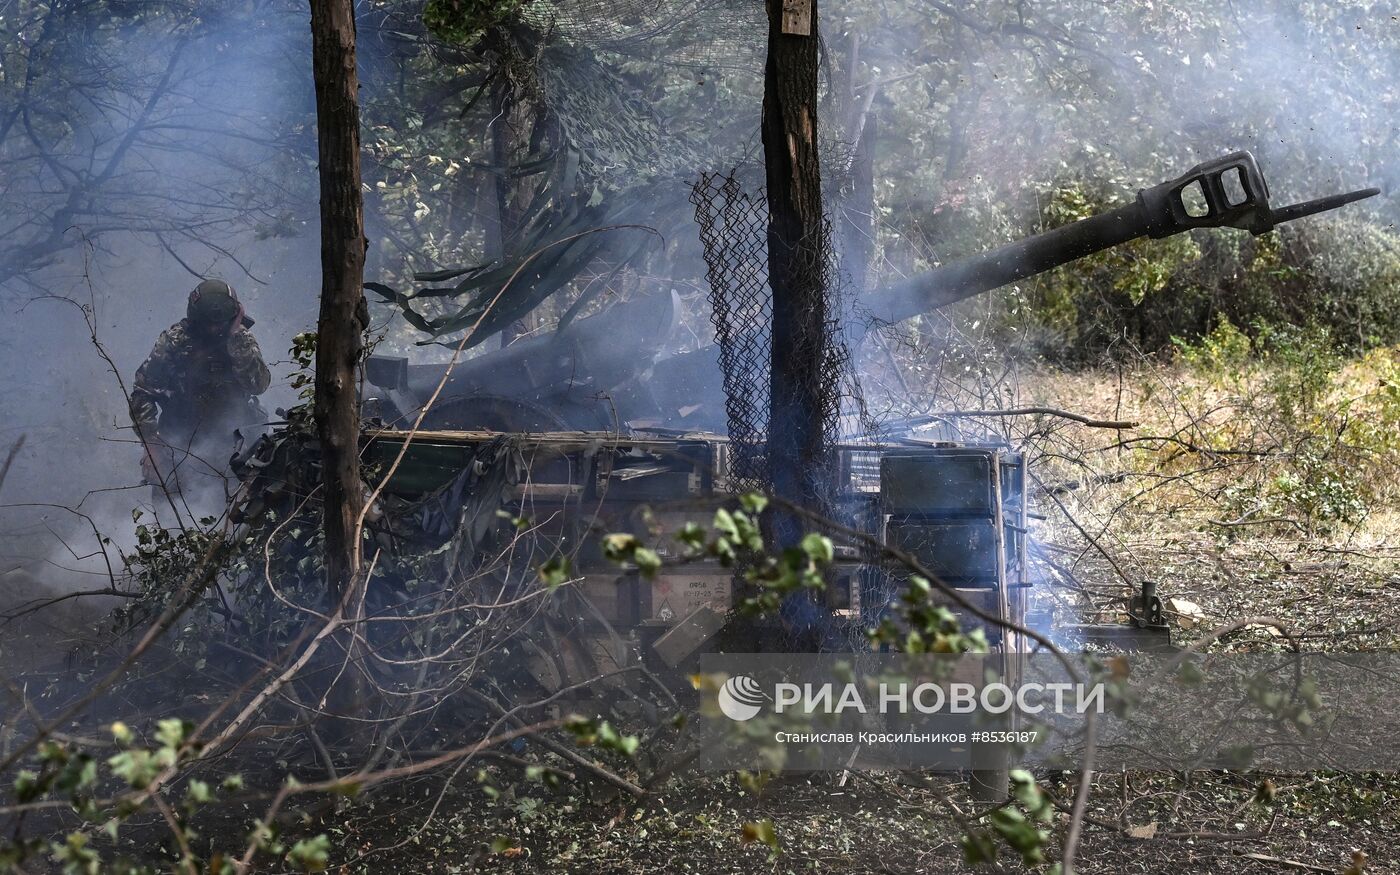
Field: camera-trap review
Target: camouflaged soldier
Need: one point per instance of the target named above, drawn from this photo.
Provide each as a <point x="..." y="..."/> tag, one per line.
<point x="198" y="385"/>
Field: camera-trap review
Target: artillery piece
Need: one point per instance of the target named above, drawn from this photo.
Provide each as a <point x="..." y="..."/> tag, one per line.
<point x="594" y="429"/>
<point x="598" y="423"/>
<point x="604" y="419"/>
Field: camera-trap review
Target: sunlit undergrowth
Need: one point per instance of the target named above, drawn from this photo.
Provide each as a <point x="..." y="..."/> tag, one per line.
<point x="1278" y="432"/>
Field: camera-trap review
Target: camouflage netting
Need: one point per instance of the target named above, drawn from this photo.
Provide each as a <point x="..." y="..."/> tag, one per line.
<point x="613" y="132"/>
<point x="719" y="34"/>
<point x="591" y="50"/>
<point x="582" y="85"/>
<point x="599" y="104"/>
<point x="613" y="85"/>
<point x="733" y="231"/>
<point x="734" y="234"/>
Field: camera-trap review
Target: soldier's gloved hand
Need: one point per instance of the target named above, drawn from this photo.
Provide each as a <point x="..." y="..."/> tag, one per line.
<point x="236" y="324"/>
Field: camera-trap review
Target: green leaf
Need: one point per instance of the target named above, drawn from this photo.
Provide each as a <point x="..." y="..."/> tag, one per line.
<point x="172" y="731"/>
<point x="608" y="737"/>
<point x="692" y="535"/>
<point x="198" y="792"/>
<point x="1020" y="834"/>
<point x="76" y="856"/>
<point x="137" y="767"/>
<point x="724" y="523"/>
<point x="761" y="831"/>
<point x="121" y="733"/>
<point x="648" y="562"/>
<point x="27" y="786"/>
<point x="1026" y="791"/>
<point x="555" y="572"/>
<point x="818" y="548"/>
<point x="979" y="847"/>
<point x="311" y="855"/>
<point x="753" y="502"/>
<point x="618" y="546"/>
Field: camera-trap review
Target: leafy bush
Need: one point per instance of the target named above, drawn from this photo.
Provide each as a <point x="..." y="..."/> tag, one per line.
<point x="464" y="21"/>
<point x="1325" y="429"/>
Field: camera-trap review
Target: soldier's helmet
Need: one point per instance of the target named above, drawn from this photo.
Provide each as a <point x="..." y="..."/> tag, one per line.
<point x="212" y="305"/>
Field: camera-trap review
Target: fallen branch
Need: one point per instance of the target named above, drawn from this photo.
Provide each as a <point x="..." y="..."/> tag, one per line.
<point x="1117" y="424"/>
<point x="359" y="780"/>
<point x="1287" y="864"/>
<point x="583" y="762"/>
<point x="588" y="765"/>
<point x="1195" y="448"/>
<point x="37" y="605"/>
<point x="1262" y="521"/>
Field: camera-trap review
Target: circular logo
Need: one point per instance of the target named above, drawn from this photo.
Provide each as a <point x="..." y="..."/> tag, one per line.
<point x="741" y="698"/>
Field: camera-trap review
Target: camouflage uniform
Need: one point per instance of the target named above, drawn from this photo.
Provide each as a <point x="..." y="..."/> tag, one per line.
<point x="196" y="387"/>
<point x="186" y="387"/>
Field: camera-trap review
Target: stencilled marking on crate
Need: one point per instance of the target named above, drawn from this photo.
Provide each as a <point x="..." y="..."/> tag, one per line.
<point x="677" y="595"/>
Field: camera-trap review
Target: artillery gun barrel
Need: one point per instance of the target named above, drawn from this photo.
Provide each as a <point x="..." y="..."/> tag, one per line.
<point x="1226" y="192"/>
<point x="967" y="277"/>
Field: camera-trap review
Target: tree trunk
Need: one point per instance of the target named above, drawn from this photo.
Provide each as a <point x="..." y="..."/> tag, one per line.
<point x="796" y="257"/>
<point x="522" y="129"/>
<point x="343" y="316"/>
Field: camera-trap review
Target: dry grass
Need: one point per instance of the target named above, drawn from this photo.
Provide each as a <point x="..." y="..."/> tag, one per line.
<point x="1201" y="496"/>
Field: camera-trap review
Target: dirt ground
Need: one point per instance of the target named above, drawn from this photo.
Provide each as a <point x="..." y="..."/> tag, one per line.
<point x="884" y="823"/>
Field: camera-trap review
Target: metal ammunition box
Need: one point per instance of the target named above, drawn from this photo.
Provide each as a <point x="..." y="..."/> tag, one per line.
<point x="943" y="481"/>
<point x="962" y="553"/>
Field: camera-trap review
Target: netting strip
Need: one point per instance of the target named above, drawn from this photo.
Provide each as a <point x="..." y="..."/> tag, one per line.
<point x="734" y="235"/>
<point x="733" y="225"/>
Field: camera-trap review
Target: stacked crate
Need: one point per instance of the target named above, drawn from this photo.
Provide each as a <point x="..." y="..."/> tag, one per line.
<point x="960" y="512"/>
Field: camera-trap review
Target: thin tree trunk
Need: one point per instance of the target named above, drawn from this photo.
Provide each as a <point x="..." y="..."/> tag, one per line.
<point x="343" y="315"/>
<point x="855" y="206"/>
<point x="858" y="210"/>
<point x="796" y="256"/>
